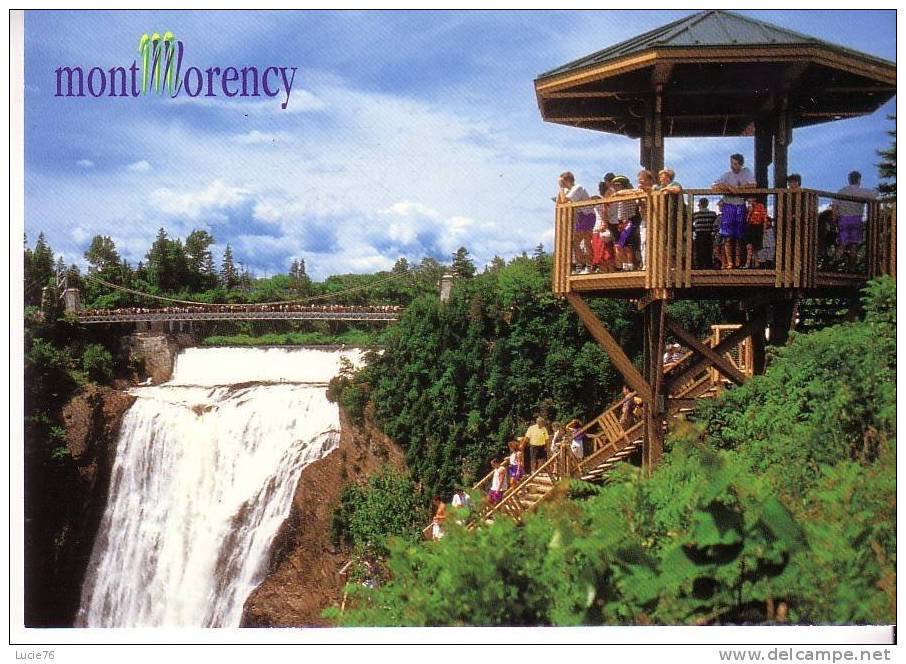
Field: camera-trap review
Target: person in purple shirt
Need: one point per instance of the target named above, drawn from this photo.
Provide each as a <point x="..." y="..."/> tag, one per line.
<point x="733" y="209"/>
<point x="849" y="217"/>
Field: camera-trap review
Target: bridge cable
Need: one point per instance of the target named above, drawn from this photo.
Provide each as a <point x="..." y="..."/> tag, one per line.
<point x="326" y="296"/>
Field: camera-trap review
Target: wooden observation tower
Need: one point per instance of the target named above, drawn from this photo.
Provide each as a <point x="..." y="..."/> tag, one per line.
<point x="717" y="73"/>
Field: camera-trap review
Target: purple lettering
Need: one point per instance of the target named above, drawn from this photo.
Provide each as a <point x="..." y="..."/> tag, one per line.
<point x="91" y="88"/>
<point x="267" y="89"/>
<point x="199" y="78"/>
<point x="230" y="74"/>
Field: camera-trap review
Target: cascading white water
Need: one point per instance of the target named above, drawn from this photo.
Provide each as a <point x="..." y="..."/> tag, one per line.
<point x="205" y="471"/>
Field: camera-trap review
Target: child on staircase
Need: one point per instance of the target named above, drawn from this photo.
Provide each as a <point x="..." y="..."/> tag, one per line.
<point x="498" y="482"/>
<point x="515" y="469"/>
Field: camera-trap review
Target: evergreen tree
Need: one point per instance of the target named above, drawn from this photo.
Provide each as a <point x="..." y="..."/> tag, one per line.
<point x="887" y="169"/>
<point x="539" y="255"/>
<point x="463" y="266"/>
<point x="496" y="264"/>
<point x="39" y="271"/>
<point x="229" y="276"/>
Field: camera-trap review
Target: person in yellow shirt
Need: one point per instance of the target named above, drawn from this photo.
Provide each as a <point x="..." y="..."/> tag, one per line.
<point x="538" y="438"/>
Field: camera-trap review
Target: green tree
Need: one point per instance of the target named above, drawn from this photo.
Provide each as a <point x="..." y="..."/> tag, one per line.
<point x="167" y="264"/>
<point x="887" y="169"/>
<point x="401" y="266"/>
<point x="463" y="266"/>
<point x="39" y="270"/>
<point x="199" y="262"/>
<point x="229" y="276"/>
<point x="102" y="254"/>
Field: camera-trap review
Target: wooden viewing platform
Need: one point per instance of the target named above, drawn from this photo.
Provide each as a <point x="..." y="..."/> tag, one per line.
<point x="668" y="269"/>
<point x="713" y="74"/>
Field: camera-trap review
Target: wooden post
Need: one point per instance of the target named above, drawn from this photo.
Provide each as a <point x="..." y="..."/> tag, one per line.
<point x="764" y="137"/>
<point x="782" y="321"/>
<point x="783" y="136"/>
<point x="759" y="316"/>
<point x="657" y="140"/>
<point x="654" y="408"/>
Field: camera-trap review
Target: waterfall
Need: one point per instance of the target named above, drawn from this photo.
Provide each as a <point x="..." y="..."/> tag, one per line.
<point x="205" y="471"/>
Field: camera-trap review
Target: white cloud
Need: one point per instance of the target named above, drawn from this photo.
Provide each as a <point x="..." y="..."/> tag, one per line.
<point x="255" y="137"/>
<point x="85" y="163"/>
<point x="139" y="167"/>
<point x="214" y="200"/>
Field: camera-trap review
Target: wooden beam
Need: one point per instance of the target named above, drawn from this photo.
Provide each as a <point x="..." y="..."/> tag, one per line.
<point x="759" y="317"/>
<point x="717" y="359"/>
<point x="764" y="144"/>
<point x="732" y="340"/>
<point x="654" y="409"/>
<point x="660" y="73"/>
<point x="681" y="402"/>
<point x="622" y="363"/>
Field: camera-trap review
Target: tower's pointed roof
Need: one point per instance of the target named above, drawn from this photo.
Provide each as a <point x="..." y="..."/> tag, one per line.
<point x="713" y="73"/>
<point x="710" y="28"/>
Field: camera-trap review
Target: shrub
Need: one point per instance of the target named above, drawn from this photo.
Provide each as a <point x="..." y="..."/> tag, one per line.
<point x="98" y="363"/>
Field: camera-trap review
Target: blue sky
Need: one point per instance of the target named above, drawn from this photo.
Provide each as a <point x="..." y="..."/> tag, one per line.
<point x="406" y="134"/>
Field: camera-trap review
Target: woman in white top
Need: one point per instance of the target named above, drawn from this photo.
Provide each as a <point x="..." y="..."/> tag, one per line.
<point x="570" y="192"/>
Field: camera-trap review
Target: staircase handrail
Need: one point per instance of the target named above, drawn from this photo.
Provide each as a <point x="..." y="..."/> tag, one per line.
<point x="628" y="439"/>
<point x="524" y="484"/>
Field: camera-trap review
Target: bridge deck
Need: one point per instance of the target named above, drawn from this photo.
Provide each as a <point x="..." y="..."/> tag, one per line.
<point x="115" y="317"/>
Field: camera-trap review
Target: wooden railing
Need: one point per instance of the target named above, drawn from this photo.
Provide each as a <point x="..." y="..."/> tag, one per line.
<point x="513" y="501"/>
<point x="669" y="247"/>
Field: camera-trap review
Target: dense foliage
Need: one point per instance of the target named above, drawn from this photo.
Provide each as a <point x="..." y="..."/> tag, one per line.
<point x="369" y="516"/>
<point x="780" y="505"/>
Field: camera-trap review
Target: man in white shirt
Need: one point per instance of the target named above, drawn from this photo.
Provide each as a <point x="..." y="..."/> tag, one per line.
<point x="733" y="208"/>
<point x="570" y="192"/>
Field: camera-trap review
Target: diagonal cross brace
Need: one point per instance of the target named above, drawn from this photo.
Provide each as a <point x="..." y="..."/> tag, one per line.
<point x="623" y="364"/>
<point x="719" y="361"/>
<point x="721" y="348"/>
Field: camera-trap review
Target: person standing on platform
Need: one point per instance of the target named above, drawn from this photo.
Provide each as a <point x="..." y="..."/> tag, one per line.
<point x="646" y="186"/>
<point x="756" y="216"/>
<point x="570" y="192"/>
<point x="850" y="225"/>
<point x="704" y="223"/>
<point x="768" y="246"/>
<point x="732" y="185"/>
<point x="667" y="183"/>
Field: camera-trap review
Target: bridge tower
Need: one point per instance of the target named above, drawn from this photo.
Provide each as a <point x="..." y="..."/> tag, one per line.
<point x="72" y="301"/>
<point x="715" y="74"/>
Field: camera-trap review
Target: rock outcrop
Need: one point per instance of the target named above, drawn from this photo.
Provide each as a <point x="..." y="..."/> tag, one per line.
<point x="62" y="537"/>
<point x="304" y="578"/>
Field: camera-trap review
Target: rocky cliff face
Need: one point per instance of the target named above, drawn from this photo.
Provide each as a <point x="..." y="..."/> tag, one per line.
<point x="154" y="354"/>
<point x="69" y="505"/>
<point x="303" y="579"/>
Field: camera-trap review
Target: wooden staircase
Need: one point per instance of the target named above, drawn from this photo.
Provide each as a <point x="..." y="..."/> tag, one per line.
<point x="610" y="442"/>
